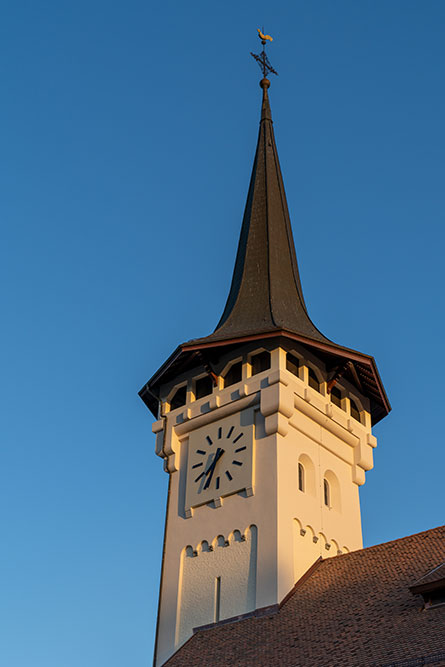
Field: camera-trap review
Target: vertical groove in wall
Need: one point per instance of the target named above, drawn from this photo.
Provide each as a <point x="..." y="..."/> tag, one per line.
<point x="179" y="599"/>
<point x="217" y="599"/>
<point x="217" y="581"/>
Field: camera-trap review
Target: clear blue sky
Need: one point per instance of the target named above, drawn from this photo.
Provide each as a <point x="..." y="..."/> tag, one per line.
<point x="127" y="138"/>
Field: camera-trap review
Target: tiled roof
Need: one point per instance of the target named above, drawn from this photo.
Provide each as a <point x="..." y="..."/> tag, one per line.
<point x="354" y="609"/>
<point x="437" y="574"/>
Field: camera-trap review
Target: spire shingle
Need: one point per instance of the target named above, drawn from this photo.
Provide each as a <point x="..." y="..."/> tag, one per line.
<point x="265" y="293"/>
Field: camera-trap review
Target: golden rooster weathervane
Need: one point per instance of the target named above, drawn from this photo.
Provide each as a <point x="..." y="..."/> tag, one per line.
<point x="262" y="59"/>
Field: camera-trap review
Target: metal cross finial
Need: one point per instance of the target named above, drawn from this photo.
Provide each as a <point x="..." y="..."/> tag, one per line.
<point x="262" y="59"/>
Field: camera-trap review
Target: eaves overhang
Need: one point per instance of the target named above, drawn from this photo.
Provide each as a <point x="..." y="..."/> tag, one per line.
<point x="366" y="376"/>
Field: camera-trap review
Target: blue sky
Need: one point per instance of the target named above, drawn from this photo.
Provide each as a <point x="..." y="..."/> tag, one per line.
<point x="127" y="139"/>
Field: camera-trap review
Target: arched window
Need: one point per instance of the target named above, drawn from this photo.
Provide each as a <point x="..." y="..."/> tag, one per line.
<point x="301" y="477"/>
<point x="313" y="380"/>
<point x="331" y="491"/>
<point x="336" y="396"/>
<point x="234" y="374"/>
<point x="260" y="362"/>
<point x="306" y="475"/>
<point x="326" y="493"/>
<point x="292" y="363"/>
<point x="179" y="398"/>
<point x="355" y="412"/>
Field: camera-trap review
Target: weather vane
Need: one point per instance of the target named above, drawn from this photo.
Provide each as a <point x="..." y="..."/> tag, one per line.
<point x="262" y="59"/>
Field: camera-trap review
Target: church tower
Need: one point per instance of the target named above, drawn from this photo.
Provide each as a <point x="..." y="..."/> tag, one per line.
<point x="264" y="427"/>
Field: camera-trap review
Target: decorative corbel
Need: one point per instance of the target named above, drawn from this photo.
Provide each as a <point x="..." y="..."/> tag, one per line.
<point x="277" y="404"/>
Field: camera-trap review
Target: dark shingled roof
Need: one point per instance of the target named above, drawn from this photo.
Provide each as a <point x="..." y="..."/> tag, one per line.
<point x="352" y="610"/>
<point x="265" y="293"/>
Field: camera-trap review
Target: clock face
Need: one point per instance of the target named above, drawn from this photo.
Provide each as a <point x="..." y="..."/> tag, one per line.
<point x="220" y="459"/>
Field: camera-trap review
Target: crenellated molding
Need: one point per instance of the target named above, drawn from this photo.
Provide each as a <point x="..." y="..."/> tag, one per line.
<point x="209" y="545"/>
<point x="327" y="545"/>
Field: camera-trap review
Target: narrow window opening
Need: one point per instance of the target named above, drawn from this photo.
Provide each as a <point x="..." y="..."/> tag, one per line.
<point x="234" y="374"/>
<point x="313" y="380"/>
<point x="260" y="362"/>
<point x="355" y="413"/>
<point x="326" y="493"/>
<point x="179" y="398"/>
<point x="336" y="396"/>
<point x="217" y="599"/>
<point x="203" y="386"/>
<point x="292" y="363"/>
<point x="301" y="477"/>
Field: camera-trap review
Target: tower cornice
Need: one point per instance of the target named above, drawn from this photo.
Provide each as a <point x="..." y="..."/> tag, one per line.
<point x="188" y="353"/>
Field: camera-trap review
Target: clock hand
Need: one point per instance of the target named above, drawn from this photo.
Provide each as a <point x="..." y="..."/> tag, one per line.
<point x="210" y="474"/>
<point x="206" y="472"/>
<point x="211" y="470"/>
<point x="219" y="452"/>
<point x="211" y="464"/>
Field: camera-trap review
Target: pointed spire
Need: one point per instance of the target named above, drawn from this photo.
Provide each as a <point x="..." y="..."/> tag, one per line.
<point x="265" y="297"/>
<point x="266" y="293"/>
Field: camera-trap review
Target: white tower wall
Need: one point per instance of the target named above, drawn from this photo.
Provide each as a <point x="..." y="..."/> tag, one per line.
<point x="246" y="552"/>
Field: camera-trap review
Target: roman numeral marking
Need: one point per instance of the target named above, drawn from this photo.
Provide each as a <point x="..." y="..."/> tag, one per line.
<point x="240" y="449"/>
<point x="199" y="451"/>
<point x="217" y="482"/>
<point x="197" y="465"/>
<point x="237" y="463"/>
<point x="238" y="437"/>
<point x="229" y="475"/>
<point x="209" y="440"/>
<point x="230" y="432"/>
<point x="219" y="432"/>
<point x="201" y="475"/>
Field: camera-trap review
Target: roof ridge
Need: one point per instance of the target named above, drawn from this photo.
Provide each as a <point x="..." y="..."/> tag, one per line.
<point x="384" y="544"/>
<point x="309" y="572"/>
<point x="316" y="565"/>
<point x="320" y="560"/>
<point x="406" y="537"/>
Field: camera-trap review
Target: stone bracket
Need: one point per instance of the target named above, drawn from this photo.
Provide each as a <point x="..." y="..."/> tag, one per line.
<point x="277" y="403"/>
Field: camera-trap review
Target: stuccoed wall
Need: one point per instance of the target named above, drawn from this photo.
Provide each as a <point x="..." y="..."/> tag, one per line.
<point x="293" y="528"/>
<point x="234" y="560"/>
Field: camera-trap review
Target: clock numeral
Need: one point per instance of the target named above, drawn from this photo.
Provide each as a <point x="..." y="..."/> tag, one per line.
<point x="199" y="451"/>
<point x="229" y="475"/>
<point x="230" y="431"/>
<point x="219" y="432"/>
<point x="237" y="463"/>
<point x="238" y="437"/>
<point x="217" y="482"/>
<point x="197" y="465"/>
<point x="209" y="440"/>
<point x="240" y="449"/>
